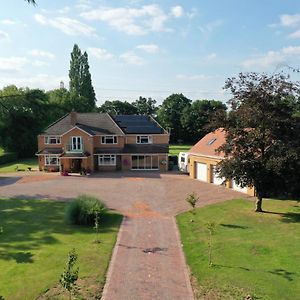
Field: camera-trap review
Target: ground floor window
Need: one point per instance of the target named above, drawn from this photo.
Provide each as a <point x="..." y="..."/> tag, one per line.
<point x="144" y="162"/>
<point x="107" y="160"/>
<point x="51" y="160"/>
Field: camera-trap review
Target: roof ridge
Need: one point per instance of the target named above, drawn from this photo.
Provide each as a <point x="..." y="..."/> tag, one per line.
<point x="56" y="121"/>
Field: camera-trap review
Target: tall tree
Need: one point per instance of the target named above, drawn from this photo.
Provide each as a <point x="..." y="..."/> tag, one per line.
<point x="263" y="132"/>
<point x="197" y="116"/>
<point x="118" y="107"/>
<point x="81" y="82"/>
<point x="169" y="115"/>
<point x="145" y="106"/>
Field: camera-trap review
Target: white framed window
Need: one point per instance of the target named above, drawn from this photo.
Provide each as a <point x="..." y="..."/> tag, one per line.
<point x="51" y="160"/>
<point x="52" y="140"/>
<point x="76" y="143"/>
<point x="107" y="160"/>
<point x="144" y="139"/>
<point x="109" y="139"/>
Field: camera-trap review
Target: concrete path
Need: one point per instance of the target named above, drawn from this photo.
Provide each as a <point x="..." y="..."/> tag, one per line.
<point x="148" y="262"/>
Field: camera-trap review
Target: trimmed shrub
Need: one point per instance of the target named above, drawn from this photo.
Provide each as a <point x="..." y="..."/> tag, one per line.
<point x="8" y="157"/>
<point x="83" y="210"/>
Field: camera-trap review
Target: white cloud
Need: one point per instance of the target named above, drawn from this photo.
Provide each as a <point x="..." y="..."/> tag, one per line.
<point x="12" y="64"/>
<point x="39" y="63"/>
<point x="272" y="59"/>
<point x="132" y="21"/>
<point x="42" y="81"/>
<point x="3" y="36"/>
<point x="8" y="22"/>
<point x="290" y="20"/>
<point x="211" y="26"/>
<point x="40" y="53"/>
<point x="177" y="11"/>
<point x="294" y="35"/>
<point x="211" y="56"/>
<point x="149" y="48"/>
<point x="64" y="10"/>
<point x="100" y="53"/>
<point x="132" y="59"/>
<point x="66" y="25"/>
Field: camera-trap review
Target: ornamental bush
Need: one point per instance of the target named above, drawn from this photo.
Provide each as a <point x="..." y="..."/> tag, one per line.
<point x="84" y="209"/>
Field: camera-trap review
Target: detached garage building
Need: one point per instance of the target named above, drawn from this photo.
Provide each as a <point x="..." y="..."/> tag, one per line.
<point x="203" y="159"/>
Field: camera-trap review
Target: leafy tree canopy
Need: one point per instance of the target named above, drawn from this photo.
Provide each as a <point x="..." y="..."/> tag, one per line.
<point x="117" y="107"/>
<point x="145" y="106"/>
<point x="263" y="133"/>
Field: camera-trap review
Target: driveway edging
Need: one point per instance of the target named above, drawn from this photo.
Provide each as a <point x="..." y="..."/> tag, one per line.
<point x="113" y="259"/>
<point x="182" y="257"/>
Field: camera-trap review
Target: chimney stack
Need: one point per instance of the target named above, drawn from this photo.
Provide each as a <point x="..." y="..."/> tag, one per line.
<point x="73" y="116"/>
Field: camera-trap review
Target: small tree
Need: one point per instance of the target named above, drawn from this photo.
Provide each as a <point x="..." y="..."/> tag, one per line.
<point x="192" y="199"/>
<point x="211" y="227"/>
<point x="70" y="275"/>
<point x="97" y="227"/>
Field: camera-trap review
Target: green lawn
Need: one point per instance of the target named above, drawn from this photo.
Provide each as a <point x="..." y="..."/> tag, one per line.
<point x="35" y="243"/>
<point x="175" y="149"/>
<point x="253" y="254"/>
<point x="22" y="164"/>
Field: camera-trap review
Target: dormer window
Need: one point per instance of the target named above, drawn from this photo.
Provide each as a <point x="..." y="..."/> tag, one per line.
<point x="52" y="140"/>
<point x="210" y="142"/>
<point x="144" y="139"/>
<point x="109" y="139"/>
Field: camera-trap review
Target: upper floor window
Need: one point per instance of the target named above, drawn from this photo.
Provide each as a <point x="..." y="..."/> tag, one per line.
<point x="76" y="143"/>
<point x="144" y="139"/>
<point x="109" y="139"/>
<point x="52" y="140"/>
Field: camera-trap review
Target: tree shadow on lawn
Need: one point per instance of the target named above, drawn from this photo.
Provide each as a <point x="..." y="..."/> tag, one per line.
<point x="279" y="272"/>
<point x="234" y="226"/>
<point x="290" y="217"/>
<point x="30" y="224"/>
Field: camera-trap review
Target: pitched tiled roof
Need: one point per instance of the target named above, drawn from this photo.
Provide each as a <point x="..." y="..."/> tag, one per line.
<point x="108" y="150"/>
<point x="133" y="124"/>
<point x="92" y="123"/>
<point x="46" y="151"/>
<point x="208" y="145"/>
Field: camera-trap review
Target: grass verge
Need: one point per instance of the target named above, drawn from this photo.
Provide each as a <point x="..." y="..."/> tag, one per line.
<point x="35" y="243"/>
<point x="22" y="164"/>
<point x="254" y="254"/>
<point x="175" y="149"/>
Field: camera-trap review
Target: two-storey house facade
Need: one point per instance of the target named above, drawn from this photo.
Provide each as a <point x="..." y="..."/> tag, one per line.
<point x="101" y="142"/>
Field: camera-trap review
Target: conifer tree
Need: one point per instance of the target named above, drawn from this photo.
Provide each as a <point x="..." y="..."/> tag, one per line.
<point x="80" y="79"/>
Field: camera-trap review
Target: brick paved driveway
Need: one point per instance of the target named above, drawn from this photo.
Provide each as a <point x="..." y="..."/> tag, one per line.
<point x="148" y="262"/>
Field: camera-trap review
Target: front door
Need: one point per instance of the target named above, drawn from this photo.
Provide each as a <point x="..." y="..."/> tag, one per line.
<point x="76" y="165"/>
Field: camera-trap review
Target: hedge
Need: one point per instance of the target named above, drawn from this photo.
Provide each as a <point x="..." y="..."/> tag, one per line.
<point x="8" y="157"/>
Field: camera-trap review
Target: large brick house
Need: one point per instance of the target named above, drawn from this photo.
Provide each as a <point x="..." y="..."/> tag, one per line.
<point x="101" y="142"/>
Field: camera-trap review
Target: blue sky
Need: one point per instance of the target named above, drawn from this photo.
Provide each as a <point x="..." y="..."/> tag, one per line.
<point x="147" y="48"/>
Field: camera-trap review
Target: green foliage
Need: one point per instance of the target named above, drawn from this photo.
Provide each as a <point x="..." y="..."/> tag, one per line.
<point x="145" y="106"/>
<point x="8" y="157"/>
<point x="70" y="275"/>
<point x="34" y="247"/>
<point x="192" y="199"/>
<point x="169" y="115"/>
<point x="260" y="128"/>
<point x="81" y="88"/>
<point x="211" y="227"/>
<point x="83" y="210"/>
<point x="196" y="118"/>
<point x="253" y="254"/>
<point x="117" y="107"/>
<point x="23" y="115"/>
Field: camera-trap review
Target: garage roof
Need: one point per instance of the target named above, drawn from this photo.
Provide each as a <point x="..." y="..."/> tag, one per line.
<point x="208" y="145"/>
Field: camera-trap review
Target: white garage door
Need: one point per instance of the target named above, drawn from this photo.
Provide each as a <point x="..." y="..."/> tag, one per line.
<point x="238" y="188"/>
<point x="215" y="178"/>
<point x="201" y="171"/>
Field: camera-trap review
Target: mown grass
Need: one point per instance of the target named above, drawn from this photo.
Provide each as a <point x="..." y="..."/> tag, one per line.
<point x="175" y="149"/>
<point x="254" y="254"/>
<point x="21" y="164"/>
<point x="35" y="243"/>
